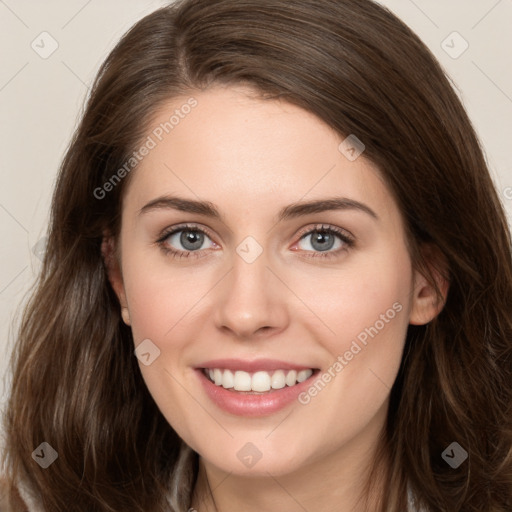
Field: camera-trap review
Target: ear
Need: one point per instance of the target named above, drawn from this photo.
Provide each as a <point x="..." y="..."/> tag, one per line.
<point x="114" y="274"/>
<point x="427" y="303"/>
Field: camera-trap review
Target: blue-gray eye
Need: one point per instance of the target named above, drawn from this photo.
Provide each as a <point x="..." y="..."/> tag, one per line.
<point x="322" y="240"/>
<point x="190" y="239"/>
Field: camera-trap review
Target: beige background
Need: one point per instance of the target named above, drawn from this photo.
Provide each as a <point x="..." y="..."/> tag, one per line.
<point x="40" y="100"/>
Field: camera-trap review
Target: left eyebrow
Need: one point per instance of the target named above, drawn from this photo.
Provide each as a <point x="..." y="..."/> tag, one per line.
<point x="337" y="203"/>
<point x="293" y="210"/>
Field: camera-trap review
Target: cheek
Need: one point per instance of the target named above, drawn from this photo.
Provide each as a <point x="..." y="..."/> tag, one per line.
<point x="365" y="308"/>
<point x="161" y="299"/>
<point x="161" y="303"/>
<point x="368" y="292"/>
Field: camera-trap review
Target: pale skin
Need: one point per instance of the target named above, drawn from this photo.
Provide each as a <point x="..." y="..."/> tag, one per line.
<point x="251" y="158"/>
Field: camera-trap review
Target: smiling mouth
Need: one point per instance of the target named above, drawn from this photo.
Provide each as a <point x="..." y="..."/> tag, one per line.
<point x="257" y="382"/>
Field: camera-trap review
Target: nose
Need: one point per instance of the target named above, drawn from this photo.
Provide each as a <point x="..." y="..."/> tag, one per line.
<point x="251" y="301"/>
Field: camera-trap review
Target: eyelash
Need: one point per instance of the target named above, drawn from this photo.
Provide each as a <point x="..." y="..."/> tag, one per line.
<point x="347" y="240"/>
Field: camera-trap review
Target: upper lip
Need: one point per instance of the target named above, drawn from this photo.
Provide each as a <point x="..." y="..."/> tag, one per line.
<point x="253" y="366"/>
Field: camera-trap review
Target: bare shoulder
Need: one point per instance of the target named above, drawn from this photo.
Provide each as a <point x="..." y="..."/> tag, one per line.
<point x="18" y="505"/>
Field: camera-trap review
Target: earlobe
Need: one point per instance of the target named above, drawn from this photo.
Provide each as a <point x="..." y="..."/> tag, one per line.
<point x="114" y="274"/>
<point x="125" y="314"/>
<point x="427" y="303"/>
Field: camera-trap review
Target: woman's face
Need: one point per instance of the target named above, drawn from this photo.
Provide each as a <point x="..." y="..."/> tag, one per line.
<point x="276" y="280"/>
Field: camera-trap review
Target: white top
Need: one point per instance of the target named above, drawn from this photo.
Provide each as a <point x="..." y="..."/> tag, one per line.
<point x="29" y="497"/>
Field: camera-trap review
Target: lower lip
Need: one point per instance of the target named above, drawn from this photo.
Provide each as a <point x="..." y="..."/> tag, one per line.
<point x="246" y="404"/>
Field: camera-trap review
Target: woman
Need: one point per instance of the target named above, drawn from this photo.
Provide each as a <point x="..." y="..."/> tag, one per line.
<point x="278" y="277"/>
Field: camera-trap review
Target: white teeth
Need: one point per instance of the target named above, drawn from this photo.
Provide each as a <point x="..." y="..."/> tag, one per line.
<point x="217" y="377"/>
<point x="261" y="381"/>
<point x="228" y="379"/>
<point x="278" y="379"/>
<point x="242" y="381"/>
<point x="291" y="378"/>
<point x="303" y="375"/>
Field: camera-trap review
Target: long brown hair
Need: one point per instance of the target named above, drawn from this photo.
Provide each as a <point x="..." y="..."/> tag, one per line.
<point x="76" y="383"/>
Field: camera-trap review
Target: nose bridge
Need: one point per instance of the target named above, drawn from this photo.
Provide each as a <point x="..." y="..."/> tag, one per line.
<point x="250" y="296"/>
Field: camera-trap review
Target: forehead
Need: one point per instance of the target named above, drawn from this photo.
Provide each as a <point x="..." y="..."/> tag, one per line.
<point x="236" y="149"/>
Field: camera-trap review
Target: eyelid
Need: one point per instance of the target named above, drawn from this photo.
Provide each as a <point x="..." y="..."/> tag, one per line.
<point x="167" y="232"/>
<point x="326" y="227"/>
